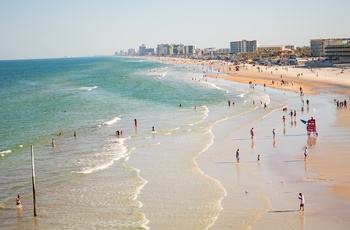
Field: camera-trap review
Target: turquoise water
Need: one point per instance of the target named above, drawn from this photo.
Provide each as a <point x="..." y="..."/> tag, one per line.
<point x="98" y="179"/>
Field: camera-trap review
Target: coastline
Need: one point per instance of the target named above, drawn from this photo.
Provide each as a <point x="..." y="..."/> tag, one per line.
<point x="324" y="175"/>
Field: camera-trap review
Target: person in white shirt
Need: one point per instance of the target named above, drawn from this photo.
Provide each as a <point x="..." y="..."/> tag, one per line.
<point x="305" y="153"/>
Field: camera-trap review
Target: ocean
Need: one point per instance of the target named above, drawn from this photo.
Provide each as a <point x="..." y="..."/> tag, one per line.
<point x="148" y="176"/>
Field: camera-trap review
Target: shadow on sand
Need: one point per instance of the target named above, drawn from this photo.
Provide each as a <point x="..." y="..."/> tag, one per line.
<point x="225" y="162"/>
<point x="284" y="211"/>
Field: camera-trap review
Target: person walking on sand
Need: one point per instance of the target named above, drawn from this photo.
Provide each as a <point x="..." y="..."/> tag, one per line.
<point x="273" y="133"/>
<point x="305" y="153"/>
<point x="237" y="155"/>
<point x="252" y="132"/>
<point x="302" y="201"/>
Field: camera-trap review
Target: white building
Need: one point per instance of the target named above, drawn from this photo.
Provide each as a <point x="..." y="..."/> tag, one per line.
<point x="243" y="46"/>
<point x="210" y="51"/>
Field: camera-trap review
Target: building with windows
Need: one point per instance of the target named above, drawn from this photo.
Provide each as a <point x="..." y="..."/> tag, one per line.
<point x="271" y="49"/>
<point x="173" y="49"/>
<point x="131" y="51"/>
<point x="190" y="49"/>
<point x="163" y="49"/>
<point x="176" y="49"/>
<point x="142" y="50"/>
<point x="318" y="46"/>
<point x="338" y="53"/>
<point x="209" y="51"/>
<point x="223" y="51"/>
<point x="243" y="46"/>
<point x="290" y="47"/>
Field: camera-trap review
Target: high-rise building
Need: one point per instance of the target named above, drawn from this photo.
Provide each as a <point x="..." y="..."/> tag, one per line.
<point x="131" y="51"/>
<point x="142" y="50"/>
<point x="190" y="49"/>
<point x="163" y="49"/>
<point x="243" y="46"/>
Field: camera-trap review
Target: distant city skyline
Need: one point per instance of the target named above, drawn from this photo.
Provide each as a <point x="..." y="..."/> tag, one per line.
<point x="54" y="29"/>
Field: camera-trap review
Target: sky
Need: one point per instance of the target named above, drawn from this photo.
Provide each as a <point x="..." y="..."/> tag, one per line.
<point x="79" y="28"/>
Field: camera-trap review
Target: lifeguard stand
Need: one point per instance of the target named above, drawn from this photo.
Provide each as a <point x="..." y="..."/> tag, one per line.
<point x="311" y="127"/>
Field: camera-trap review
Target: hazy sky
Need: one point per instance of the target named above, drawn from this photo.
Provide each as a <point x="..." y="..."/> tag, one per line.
<point x="48" y="28"/>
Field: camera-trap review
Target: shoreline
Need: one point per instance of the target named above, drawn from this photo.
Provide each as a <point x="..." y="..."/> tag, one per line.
<point x="325" y="171"/>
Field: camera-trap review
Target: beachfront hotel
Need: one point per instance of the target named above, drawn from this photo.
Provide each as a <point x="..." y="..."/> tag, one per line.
<point x="243" y="46"/>
<point x="338" y="53"/>
<point x="175" y="49"/>
<point x="170" y="49"/>
<point x="318" y="46"/>
<point x="143" y="50"/>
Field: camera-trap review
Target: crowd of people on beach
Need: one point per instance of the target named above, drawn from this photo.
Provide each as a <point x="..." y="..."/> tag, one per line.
<point x="341" y="104"/>
<point x="293" y="115"/>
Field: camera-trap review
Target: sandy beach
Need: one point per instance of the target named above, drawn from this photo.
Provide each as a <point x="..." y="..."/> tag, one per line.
<point x="264" y="194"/>
<point x="184" y="174"/>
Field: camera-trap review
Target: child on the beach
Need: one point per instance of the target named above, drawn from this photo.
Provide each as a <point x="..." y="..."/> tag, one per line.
<point x="305" y="153"/>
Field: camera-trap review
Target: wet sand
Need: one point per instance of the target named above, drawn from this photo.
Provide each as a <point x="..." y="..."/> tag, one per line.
<point x="323" y="178"/>
<point x="264" y="195"/>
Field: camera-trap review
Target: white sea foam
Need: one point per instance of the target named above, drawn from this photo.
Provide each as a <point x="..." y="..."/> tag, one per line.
<point x="2" y="153"/>
<point x="88" y="88"/>
<point x="111" y="122"/>
<point x="116" y="148"/>
<point x="98" y="168"/>
<point x="241" y="95"/>
<point x="204" y="113"/>
<point x="215" y="86"/>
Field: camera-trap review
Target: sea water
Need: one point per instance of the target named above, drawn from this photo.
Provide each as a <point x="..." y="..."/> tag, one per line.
<point x="148" y="176"/>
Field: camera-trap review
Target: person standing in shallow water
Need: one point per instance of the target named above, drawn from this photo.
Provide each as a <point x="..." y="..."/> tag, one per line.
<point x="252" y="132"/>
<point x="18" y="201"/>
<point x="302" y="201"/>
<point x="237" y="155"/>
<point x="305" y="153"/>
